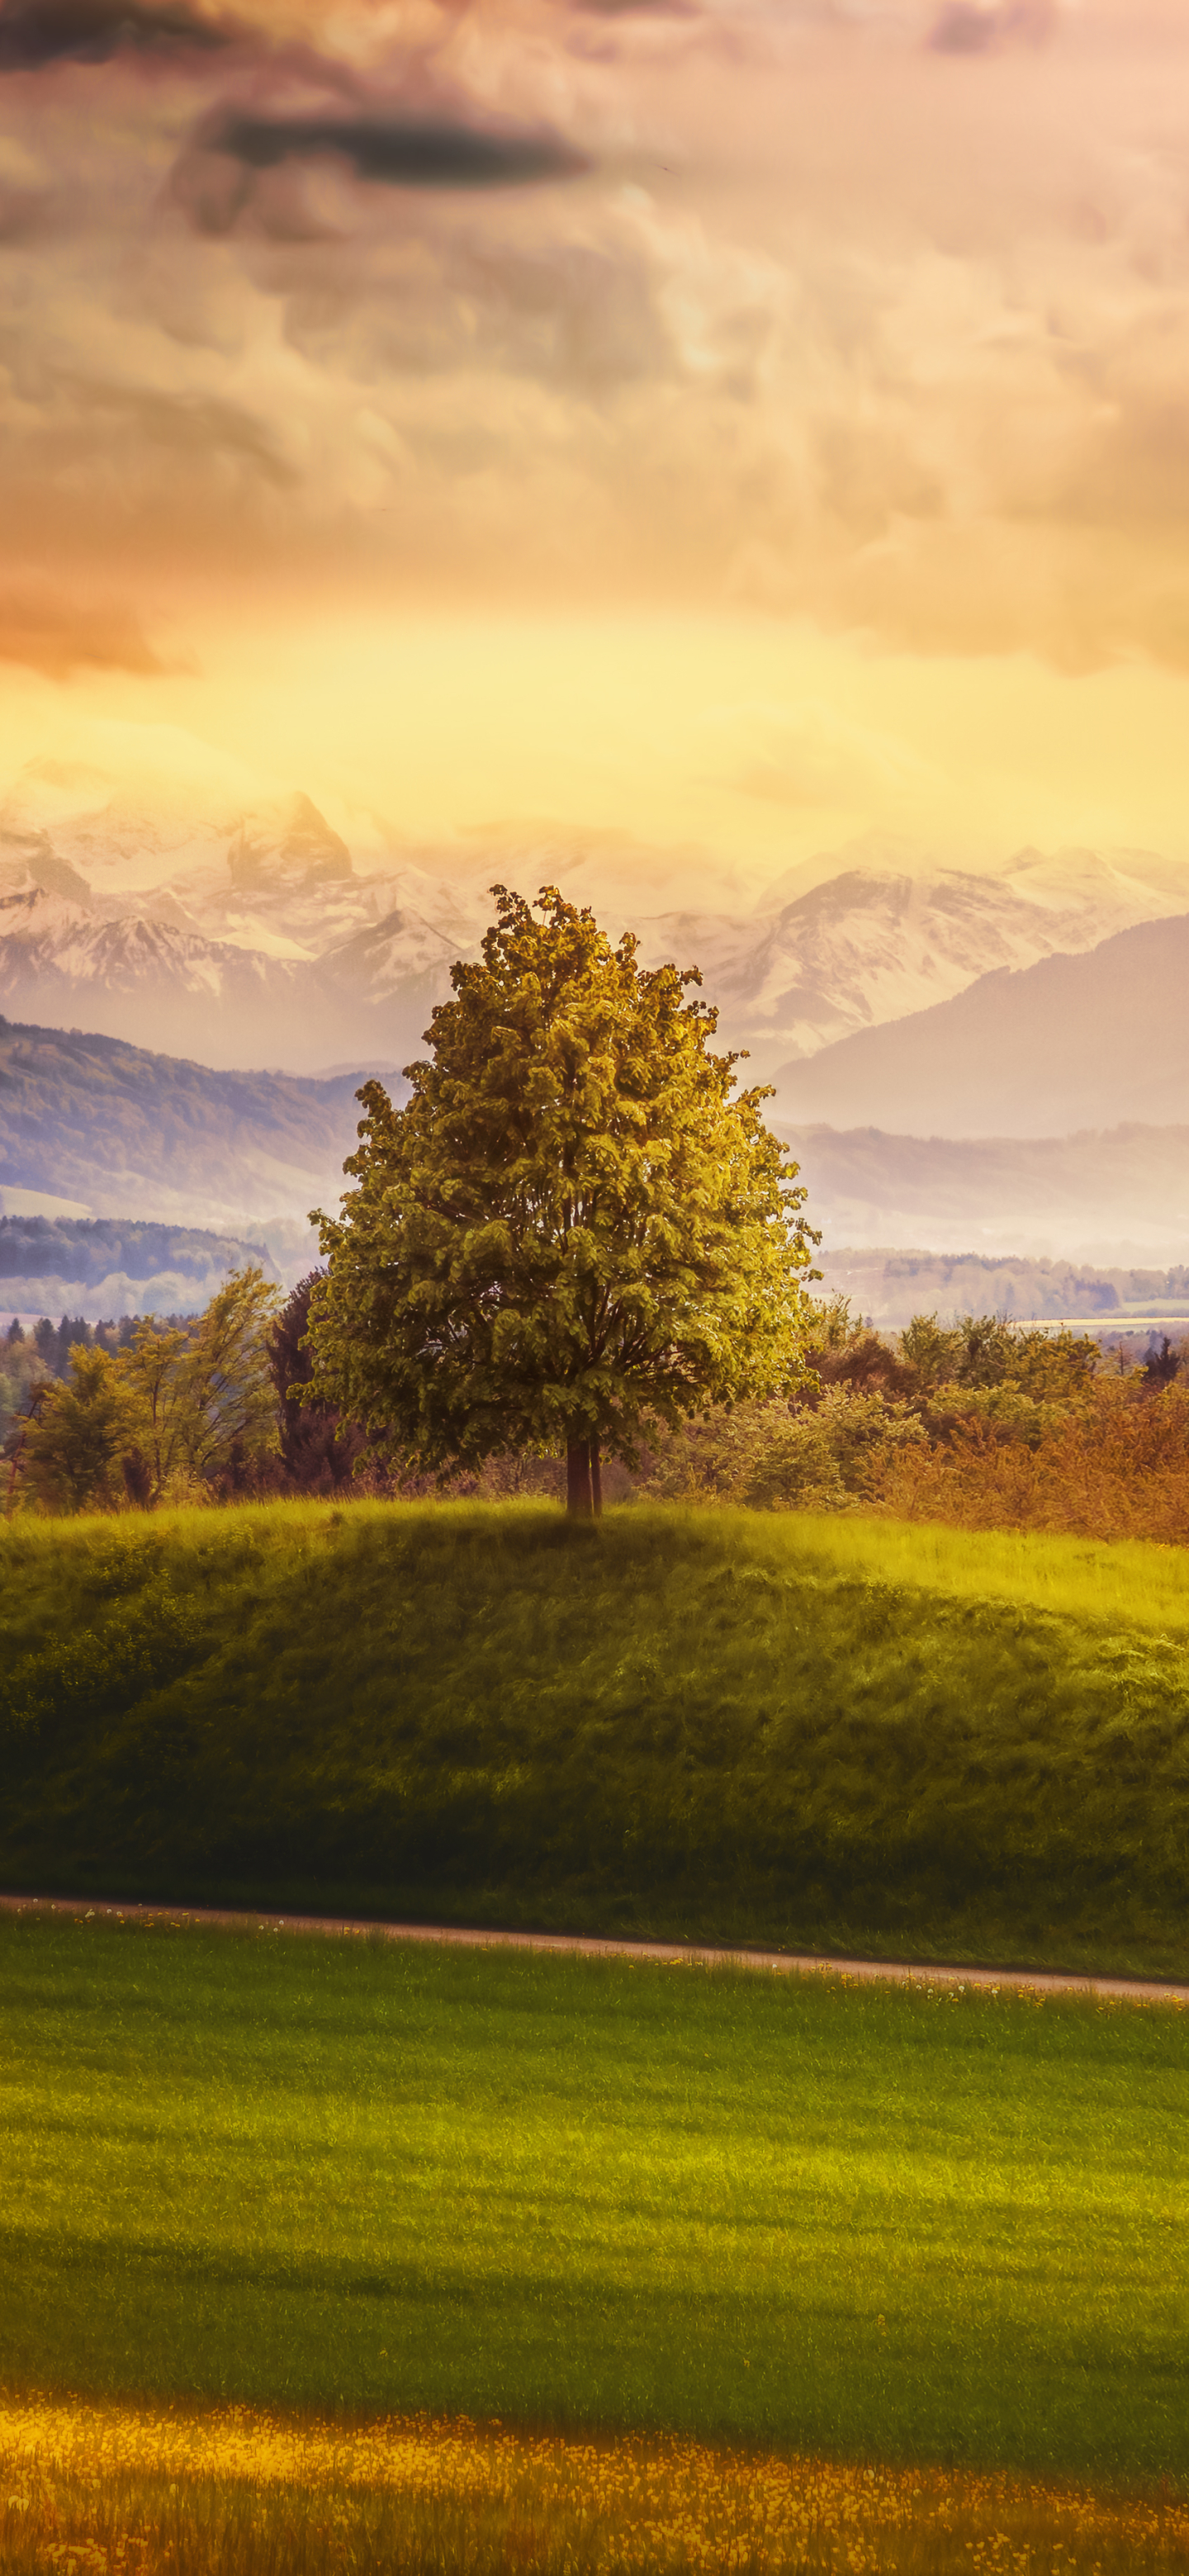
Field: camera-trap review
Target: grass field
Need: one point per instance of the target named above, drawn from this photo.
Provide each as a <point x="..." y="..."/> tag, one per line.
<point x="726" y="1726"/>
<point x="884" y="2225"/>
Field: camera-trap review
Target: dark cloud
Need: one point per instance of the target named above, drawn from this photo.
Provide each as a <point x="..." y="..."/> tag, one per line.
<point x="965" y="27"/>
<point x="962" y="30"/>
<point x="658" y="8"/>
<point x="402" y="152"/>
<point x="35" y="32"/>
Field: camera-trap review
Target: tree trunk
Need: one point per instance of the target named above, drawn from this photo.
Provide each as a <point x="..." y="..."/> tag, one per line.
<point x="578" y="1493"/>
<point x="596" y="1480"/>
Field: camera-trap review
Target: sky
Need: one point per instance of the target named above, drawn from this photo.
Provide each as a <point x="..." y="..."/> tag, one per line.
<point x="750" y="423"/>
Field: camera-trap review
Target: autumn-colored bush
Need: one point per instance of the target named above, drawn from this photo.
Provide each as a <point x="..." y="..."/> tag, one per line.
<point x="980" y="1424"/>
<point x="1113" y="1465"/>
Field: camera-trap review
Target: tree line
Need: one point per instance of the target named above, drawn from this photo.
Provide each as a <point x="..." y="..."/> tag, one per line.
<point x="980" y="1422"/>
<point x="181" y="1409"/>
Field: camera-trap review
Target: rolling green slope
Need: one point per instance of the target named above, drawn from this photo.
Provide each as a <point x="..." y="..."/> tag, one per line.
<point x="725" y="1726"/>
<point x="874" y="2222"/>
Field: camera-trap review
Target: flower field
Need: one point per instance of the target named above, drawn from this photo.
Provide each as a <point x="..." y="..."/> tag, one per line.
<point x="96" y="2490"/>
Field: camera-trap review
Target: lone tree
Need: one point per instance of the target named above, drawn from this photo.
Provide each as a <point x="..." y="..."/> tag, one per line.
<point x="570" y="1228"/>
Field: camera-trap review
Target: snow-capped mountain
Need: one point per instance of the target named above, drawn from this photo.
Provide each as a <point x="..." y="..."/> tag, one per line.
<point x="213" y="919"/>
<point x="873" y="944"/>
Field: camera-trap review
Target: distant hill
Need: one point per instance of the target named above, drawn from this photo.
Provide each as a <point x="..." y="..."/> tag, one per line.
<point x="1104" y="1195"/>
<point x="893" y="1286"/>
<point x="87" y="1249"/>
<point x="1072" y="1042"/>
<point x="125" y="1133"/>
<point x="111" y="1266"/>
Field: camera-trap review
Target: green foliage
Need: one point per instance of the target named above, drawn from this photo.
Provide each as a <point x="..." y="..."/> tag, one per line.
<point x="884" y="2224"/>
<point x="991" y="1375"/>
<point x="158" y="1418"/>
<point x="983" y="1351"/>
<point x="725" y="1725"/>
<point x="1053" y="1365"/>
<point x="882" y="1422"/>
<point x="1005" y="1411"/>
<point x="825" y="1456"/>
<point x="842" y="1440"/>
<point x="21" y="1369"/>
<point x="82" y="1431"/>
<point x="930" y="1350"/>
<point x="205" y="1387"/>
<point x="571" y="1230"/>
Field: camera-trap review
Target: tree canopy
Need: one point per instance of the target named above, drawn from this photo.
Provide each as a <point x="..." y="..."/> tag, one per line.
<point x="156" y="1419"/>
<point x="571" y="1229"/>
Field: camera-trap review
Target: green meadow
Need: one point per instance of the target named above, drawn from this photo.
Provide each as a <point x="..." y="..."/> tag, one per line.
<point x="733" y="1727"/>
<point x="877" y="2223"/>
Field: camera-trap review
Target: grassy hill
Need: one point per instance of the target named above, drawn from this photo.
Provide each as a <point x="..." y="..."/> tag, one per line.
<point x="715" y="1725"/>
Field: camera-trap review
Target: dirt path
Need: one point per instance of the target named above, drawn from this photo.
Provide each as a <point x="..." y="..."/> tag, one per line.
<point x="670" y="1954"/>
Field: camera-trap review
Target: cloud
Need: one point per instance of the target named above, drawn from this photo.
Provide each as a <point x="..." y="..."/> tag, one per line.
<point x="980" y="26"/>
<point x="35" y="33"/>
<point x="401" y="152"/>
<point x="808" y="755"/>
<point x="828" y="328"/>
<point x="57" y="637"/>
<point x="26" y="189"/>
<point x="189" y="425"/>
<point x="625" y="8"/>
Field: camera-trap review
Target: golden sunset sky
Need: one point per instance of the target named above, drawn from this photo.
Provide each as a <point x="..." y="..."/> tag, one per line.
<point x="744" y="422"/>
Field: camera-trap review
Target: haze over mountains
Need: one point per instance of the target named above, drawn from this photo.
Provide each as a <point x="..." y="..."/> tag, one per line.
<point x="1103" y="1196"/>
<point x="90" y="1127"/>
<point x="1114" y="1302"/>
<point x="1068" y="1043"/>
<point x="250" y="935"/>
<point x="111" y="1267"/>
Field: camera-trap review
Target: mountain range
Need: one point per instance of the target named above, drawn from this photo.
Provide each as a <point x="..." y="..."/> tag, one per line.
<point x="91" y="1127"/>
<point x="185" y="920"/>
<point x="1071" y="1042"/>
<point x="985" y="1062"/>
